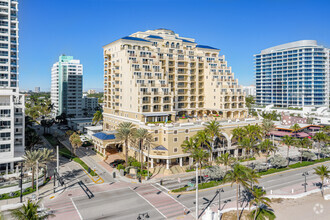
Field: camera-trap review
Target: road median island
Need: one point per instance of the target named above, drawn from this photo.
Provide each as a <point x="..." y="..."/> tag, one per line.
<point x="273" y="171"/>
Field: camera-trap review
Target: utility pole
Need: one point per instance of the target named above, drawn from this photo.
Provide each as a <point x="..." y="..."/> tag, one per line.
<point x="37" y="180"/>
<point x="197" y="210"/>
<point x="54" y="180"/>
<point x="21" y="183"/>
<point x="57" y="157"/>
<point x="219" y="209"/>
<point x="305" y="174"/>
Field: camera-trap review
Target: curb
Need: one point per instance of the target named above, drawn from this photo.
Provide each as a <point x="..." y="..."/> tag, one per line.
<point x="272" y="174"/>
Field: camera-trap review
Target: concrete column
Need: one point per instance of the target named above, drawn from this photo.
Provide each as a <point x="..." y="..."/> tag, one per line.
<point x="191" y="161"/>
<point x="152" y="162"/>
<point x="180" y="161"/>
<point x="235" y="152"/>
<point x="167" y="164"/>
<point x="6" y="168"/>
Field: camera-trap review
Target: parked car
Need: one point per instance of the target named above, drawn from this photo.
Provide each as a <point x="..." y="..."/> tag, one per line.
<point x="115" y="163"/>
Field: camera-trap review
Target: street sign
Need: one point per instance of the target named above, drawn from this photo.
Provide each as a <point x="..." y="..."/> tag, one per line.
<point x="191" y="184"/>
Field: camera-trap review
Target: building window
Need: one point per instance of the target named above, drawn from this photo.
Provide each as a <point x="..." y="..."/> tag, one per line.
<point x="156" y="131"/>
<point x="175" y="139"/>
<point x="175" y="150"/>
<point x="164" y="132"/>
<point x="175" y="131"/>
<point x="164" y="139"/>
<point x="187" y="131"/>
<point x="187" y="138"/>
<point x="156" y="138"/>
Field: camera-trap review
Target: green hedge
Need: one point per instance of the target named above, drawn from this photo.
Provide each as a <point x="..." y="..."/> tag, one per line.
<point x="248" y="159"/>
<point x="182" y="189"/>
<point x="273" y="170"/>
<point x="18" y="192"/>
<point x="82" y="163"/>
<point x="308" y="163"/>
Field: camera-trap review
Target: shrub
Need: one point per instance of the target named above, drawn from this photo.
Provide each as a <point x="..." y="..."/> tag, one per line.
<point x="272" y="170"/>
<point x="120" y="167"/>
<point x="303" y="164"/>
<point x="214" y="173"/>
<point x="278" y="161"/>
<point x="307" y="155"/>
<point x="260" y="167"/>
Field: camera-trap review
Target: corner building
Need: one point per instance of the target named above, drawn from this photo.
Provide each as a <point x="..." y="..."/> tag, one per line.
<point x="11" y="101"/>
<point x="169" y="85"/>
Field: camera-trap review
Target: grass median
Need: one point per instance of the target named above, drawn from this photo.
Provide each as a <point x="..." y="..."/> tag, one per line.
<point x="63" y="151"/>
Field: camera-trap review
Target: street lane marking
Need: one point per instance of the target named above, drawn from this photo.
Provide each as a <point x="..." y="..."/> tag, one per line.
<point x="175" y="200"/>
<point x="76" y="209"/>
<point x="148" y="202"/>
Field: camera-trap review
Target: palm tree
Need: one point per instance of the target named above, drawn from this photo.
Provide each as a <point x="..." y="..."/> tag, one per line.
<point x="326" y="129"/>
<point x="202" y="139"/>
<point x="238" y="134"/>
<point x="266" y="145"/>
<point x="225" y="159"/>
<point x="239" y="176"/>
<point x="302" y="143"/>
<point x="125" y="133"/>
<point x="199" y="155"/>
<point x="319" y="137"/>
<point x="267" y="126"/>
<point x="189" y="145"/>
<point x="324" y="173"/>
<point x="288" y="141"/>
<point x="247" y="144"/>
<point x="213" y="129"/>
<point x="143" y="138"/>
<point x="259" y="200"/>
<point x="253" y="177"/>
<point x="263" y="213"/>
<point x="46" y="157"/>
<point x="98" y="116"/>
<point x="295" y="128"/>
<point x="29" y="211"/>
<point x="31" y="158"/>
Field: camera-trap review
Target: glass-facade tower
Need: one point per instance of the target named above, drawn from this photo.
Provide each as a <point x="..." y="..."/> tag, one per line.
<point x="293" y="74"/>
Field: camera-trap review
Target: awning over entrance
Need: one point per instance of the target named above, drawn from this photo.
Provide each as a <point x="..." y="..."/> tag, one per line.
<point x="155" y="114"/>
<point x="104" y="136"/>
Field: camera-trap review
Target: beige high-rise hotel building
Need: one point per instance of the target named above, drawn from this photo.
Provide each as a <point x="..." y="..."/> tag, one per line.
<point x="171" y="86"/>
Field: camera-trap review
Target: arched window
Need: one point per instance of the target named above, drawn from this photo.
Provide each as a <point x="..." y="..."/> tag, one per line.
<point x="172" y="45"/>
<point x="177" y="45"/>
<point x="167" y="44"/>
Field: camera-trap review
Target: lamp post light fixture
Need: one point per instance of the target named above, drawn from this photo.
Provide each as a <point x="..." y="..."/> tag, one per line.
<point x="219" y="191"/>
<point x="143" y="216"/>
<point x="305" y="174"/>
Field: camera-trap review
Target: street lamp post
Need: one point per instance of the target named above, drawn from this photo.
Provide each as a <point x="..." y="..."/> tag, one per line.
<point x="37" y="180"/>
<point x="305" y="174"/>
<point x="219" y="209"/>
<point x="21" y="183"/>
<point x="197" y="191"/>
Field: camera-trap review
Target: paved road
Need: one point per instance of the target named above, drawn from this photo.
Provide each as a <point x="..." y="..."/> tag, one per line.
<point x="273" y="182"/>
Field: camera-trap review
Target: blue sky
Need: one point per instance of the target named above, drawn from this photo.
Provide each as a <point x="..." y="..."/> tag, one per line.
<point x="240" y="28"/>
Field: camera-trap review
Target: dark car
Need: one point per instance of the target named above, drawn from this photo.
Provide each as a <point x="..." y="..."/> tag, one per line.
<point x="115" y="163"/>
<point x="201" y="179"/>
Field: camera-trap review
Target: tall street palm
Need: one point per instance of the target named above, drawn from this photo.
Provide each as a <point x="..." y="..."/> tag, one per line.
<point x="324" y="173"/>
<point x="253" y="177"/>
<point x="239" y="176"/>
<point x="125" y="133"/>
<point x="31" y="158"/>
<point x="319" y="137"/>
<point x="46" y="157"/>
<point x="98" y="116"/>
<point x="199" y="155"/>
<point x="213" y="129"/>
<point x="263" y="213"/>
<point x="246" y="144"/>
<point x="267" y="126"/>
<point x="225" y="159"/>
<point x="288" y="141"/>
<point x="258" y="199"/>
<point x="29" y="211"/>
<point x="143" y="138"/>
<point x="203" y="140"/>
